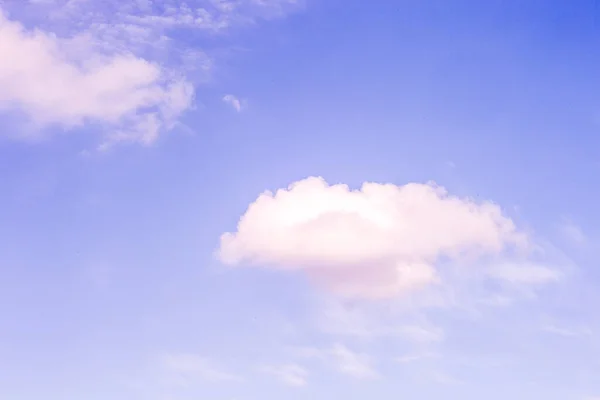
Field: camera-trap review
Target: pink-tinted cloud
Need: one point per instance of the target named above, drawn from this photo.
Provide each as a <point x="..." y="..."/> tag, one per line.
<point x="379" y="241"/>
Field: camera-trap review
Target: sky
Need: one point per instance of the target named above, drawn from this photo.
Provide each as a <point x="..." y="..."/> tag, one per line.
<point x="299" y="199"/>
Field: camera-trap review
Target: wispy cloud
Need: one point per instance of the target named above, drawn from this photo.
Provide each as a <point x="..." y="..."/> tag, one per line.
<point x="290" y="374"/>
<point x="355" y="364"/>
<point x="233" y="101"/>
<point x="573" y="232"/>
<point x="422" y="334"/>
<point x="186" y="369"/>
<point x="525" y="273"/>
<point x="410" y="358"/>
<point x="444" y="378"/>
<point x="567" y="332"/>
<point x="372" y="322"/>
<point x="212" y="16"/>
<point x="346" y="361"/>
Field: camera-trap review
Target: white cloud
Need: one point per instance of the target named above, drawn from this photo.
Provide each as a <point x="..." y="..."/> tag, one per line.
<point x="115" y="65"/>
<point x="346" y="361"/>
<point x="233" y="101"/>
<point x="380" y="241"/>
<point x="135" y="98"/>
<point x="189" y="368"/>
<point x="290" y="374"/>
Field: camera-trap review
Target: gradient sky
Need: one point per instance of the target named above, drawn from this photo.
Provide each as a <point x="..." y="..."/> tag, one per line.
<point x="114" y="196"/>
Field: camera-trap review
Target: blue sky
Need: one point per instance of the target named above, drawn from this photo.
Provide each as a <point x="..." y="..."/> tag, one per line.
<point x="136" y="133"/>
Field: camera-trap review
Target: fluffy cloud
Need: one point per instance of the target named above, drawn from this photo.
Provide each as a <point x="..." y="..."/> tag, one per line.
<point x="380" y="241"/>
<point x="116" y="65"/>
<point x="134" y="97"/>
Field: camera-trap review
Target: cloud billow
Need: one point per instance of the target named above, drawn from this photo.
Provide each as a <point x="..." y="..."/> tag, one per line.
<point x="377" y="242"/>
<point x="116" y="64"/>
